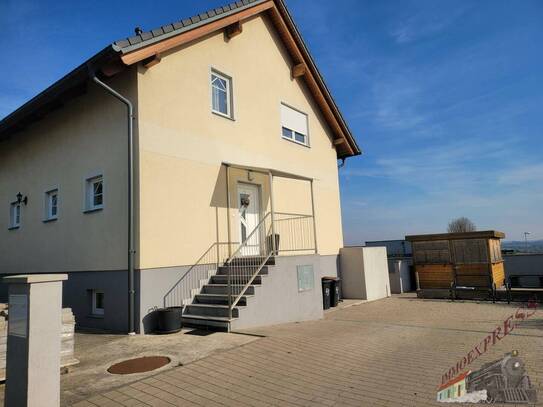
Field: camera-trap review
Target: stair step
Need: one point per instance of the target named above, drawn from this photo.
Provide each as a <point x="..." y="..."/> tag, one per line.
<point x="198" y="321"/>
<point x="223" y="279"/>
<point x="221" y="299"/>
<point x="251" y="260"/>
<point x="223" y="270"/>
<point x="211" y="310"/>
<point x="223" y="289"/>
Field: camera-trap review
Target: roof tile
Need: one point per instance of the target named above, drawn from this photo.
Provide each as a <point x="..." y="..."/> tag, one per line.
<point x="122" y="43"/>
<point x="136" y="39"/>
<point x="157" y="31"/>
<point x="195" y="19"/>
<point x="186" y="21"/>
<point x="168" y="28"/>
<point x="203" y="16"/>
<point x="146" y="36"/>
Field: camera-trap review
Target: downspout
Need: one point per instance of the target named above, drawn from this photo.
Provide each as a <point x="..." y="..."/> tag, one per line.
<point x="131" y="251"/>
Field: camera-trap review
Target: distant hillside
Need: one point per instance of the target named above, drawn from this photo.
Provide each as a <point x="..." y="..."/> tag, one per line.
<point x="534" y="246"/>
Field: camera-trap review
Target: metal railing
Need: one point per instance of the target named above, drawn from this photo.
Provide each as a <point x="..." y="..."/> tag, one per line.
<point x="247" y="261"/>
<point x="198" y="274"/>
<point x="291" y="232"/>
<point x="295" y="232"/>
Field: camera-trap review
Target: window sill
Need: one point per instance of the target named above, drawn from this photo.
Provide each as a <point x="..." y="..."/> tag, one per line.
<point x="47" y="220"/>
<point x="91" y="210"/>
<point x="95" y="316"/>
<point x="225" y="116"/>
<point x="13" y="227"/>
<point x="295" y="142"/>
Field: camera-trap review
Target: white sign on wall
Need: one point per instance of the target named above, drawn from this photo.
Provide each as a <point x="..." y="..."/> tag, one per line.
<point x="18" y="315"/>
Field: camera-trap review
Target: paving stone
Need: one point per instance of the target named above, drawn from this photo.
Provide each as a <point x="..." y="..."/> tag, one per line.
<point x="391" y="352"/>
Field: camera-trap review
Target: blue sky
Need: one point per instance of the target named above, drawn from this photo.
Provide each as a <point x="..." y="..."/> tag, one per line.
<point x="444" y="97"/>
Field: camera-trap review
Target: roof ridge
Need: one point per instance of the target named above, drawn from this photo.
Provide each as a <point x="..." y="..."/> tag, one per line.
<point x="164" y="31"/>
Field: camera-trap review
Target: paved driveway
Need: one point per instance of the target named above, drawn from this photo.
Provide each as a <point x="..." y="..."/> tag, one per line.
<point x="391" y="352"/>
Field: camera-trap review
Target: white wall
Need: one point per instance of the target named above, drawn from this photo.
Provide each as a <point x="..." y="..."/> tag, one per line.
<point x="399" y="276"/>
<point x="364" y="273"/>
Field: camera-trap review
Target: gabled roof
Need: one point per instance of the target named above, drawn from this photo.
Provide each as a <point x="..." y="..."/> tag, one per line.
<point x="146" y="46"/>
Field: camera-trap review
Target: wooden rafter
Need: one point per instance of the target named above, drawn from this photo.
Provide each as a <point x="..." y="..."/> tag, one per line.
<point x="188" y="36"/>
<point x="151" y="61"/>
<point x="299" y="70"/>
<point x="310" y="76"/>
<point x="233" y="29"/>
<point x="302" y="63"/>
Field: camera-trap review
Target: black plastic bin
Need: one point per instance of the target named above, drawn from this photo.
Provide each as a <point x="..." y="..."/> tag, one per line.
<point x="326" y="292"/>
<point x="270" y="242"/>
<point x="335" y="296"/>
<point x="169" y="320"/>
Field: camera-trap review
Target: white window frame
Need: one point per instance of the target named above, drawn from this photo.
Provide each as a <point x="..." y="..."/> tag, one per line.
<point x="229" y="94"/>
<point x="89" y="193"/>
<point x="49" y="216"/>
<point x="13" y="223"/>
<point x="95" y="309"/>
<point x="293" y="133"/>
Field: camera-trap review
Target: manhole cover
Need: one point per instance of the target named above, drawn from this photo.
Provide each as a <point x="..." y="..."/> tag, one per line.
<point x="139" y="365"/>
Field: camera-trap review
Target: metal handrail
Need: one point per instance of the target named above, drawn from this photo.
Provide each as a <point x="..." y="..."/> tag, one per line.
<point x="243" y="268"/>
<point x="212" y="258"/>
<point x="248" y="257"/>
<point x="243" y="244"/>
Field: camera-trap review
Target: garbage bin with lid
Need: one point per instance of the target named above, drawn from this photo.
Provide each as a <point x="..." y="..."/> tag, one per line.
<point x="335" y="296"/>
<point x="335" y="290"/>
<point x="326" y="293"/>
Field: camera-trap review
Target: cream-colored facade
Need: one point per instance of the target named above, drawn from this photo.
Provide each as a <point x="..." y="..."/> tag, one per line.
<point x="180" y="148"/>
<point x="182" y="145"/>
<point x="190" y="164"/>
<point x="87" y="137"/>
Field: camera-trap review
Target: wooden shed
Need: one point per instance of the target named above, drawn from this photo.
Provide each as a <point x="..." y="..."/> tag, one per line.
<point x="471" y="259"/>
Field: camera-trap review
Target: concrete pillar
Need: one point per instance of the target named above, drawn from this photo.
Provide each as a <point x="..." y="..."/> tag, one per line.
<point x="33" y="348"/>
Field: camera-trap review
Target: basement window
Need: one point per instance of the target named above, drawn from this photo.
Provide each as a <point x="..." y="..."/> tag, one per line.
<point x="294" y="125"/>
<point x="15" y="215"/>
<point x="97" y="302"/>
<point x="94" y="193"/>
<point x="221" y="94"/>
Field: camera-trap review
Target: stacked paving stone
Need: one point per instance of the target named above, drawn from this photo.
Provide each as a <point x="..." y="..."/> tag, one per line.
<point x="66" y="337"/>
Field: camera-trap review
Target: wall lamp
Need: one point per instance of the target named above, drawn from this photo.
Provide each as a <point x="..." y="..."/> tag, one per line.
<point x="21" y="199"/>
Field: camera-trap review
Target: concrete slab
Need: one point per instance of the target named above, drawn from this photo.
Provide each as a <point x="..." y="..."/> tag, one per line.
<point x="98" y="351"/>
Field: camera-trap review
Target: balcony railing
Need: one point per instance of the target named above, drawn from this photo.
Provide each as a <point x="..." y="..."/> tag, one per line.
<point x="296" y="232"/>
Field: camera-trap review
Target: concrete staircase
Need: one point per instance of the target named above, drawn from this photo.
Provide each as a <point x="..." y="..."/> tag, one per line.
<point x="209" y="308"/>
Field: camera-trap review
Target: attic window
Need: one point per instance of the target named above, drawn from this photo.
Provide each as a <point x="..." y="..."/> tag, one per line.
<point x="221" y="97"/>
<point x="294" y="125"/>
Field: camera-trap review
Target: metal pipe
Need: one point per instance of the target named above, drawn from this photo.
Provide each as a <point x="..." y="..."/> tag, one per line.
<point x="131" y="251"/>
<point x="272" y="214"/>
<point x="313" y="213"/>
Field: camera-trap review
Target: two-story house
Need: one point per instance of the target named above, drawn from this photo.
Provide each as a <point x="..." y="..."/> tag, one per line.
<point x="195" y="164"/>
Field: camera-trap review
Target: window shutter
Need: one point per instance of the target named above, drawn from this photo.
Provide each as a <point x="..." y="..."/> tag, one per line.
<point x="293" y="120"/>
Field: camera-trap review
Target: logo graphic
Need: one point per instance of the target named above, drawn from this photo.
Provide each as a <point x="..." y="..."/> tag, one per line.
<point x="501" y="381"/>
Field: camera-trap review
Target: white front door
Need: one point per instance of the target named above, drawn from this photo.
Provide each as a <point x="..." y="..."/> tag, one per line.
<point x="249" y="216"/>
